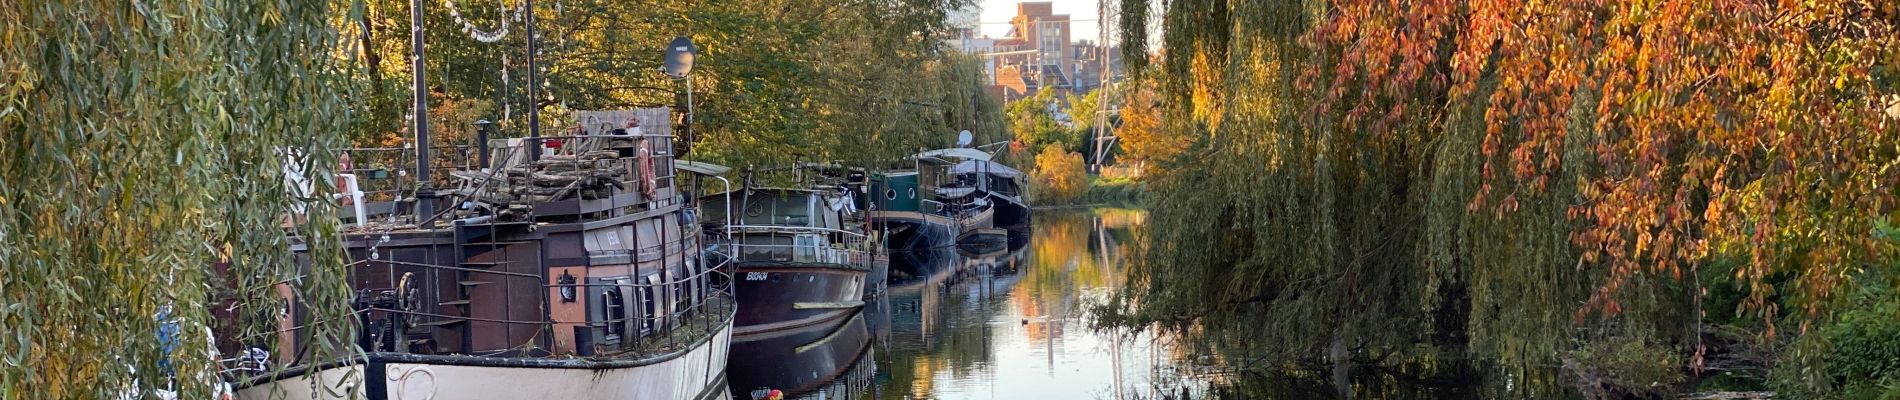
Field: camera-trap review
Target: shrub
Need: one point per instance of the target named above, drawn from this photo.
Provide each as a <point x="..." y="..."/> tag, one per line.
<point x="1856" y="356"/>
<point x="1059" y="177"/>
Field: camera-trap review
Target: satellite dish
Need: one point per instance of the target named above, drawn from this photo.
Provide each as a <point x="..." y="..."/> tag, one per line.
<point x="964" y="138"/>
<point x="679" y="57"/>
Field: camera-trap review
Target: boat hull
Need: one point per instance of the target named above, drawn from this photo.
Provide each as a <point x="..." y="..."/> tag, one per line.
<point x="983" y="240"/>
<point x="915" y="231"/>
<point x="876" y="281"/>
<point x="695" y="373"/>
<point x="777" y="296"/>
<point x="911" y="266"/>
<point x="798" y="361"/>
<point x="1011" y="214"/>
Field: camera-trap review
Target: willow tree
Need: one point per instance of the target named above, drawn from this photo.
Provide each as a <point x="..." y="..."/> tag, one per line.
<point x="1528" y="178"/>
<point x="144" y="142"/>
<point x="1272" y="239"/>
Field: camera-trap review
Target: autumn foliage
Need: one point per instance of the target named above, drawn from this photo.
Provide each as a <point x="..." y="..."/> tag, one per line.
<point x="1059" y="176"/>
<point x="1141" y="132"/>
<point x="1529" y="180"/>
<point x="1750" y="126"/>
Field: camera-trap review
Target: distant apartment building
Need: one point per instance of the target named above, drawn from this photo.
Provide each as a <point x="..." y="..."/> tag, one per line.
<point x="1039" y="35"/>
<point x="1086" y="68"/>
<point x="1039" y="52"/>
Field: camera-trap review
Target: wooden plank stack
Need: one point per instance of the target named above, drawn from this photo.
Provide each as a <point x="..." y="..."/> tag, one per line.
<point x="591" y="175"/>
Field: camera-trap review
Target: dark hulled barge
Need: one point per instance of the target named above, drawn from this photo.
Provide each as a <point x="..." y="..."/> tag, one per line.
<point x="801" y="257"/>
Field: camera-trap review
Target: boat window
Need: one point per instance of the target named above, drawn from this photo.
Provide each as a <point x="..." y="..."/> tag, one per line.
<point x="616" y="309"/>
<point x="805" y="248"/>
<point x="777" y="209"/>
<point x="649" y="305"/>
<point x="762" y="208"/>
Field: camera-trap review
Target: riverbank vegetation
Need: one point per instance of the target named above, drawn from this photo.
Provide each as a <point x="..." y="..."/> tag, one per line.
<point x="1625" y="197"/>
<point x="774" y="82"/>
<point x="1053" y="136"/>
<point x="144" y="146"/>
<point x="1060" y="178"/>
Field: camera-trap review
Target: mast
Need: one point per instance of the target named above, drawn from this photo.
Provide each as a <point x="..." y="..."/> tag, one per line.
<point x="425" y="196"/>
<point x="534" y="103"/>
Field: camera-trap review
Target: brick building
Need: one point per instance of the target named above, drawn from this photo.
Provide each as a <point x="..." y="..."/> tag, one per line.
<point x="1039" y="52"/>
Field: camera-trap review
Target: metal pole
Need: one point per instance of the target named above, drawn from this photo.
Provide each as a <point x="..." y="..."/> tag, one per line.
<point x="689" y="112"/>
<point x="534" y="79"/>
<point x="1101" y="94"/>
<point x="425" y="206"/>
<point x="481" y="142"/>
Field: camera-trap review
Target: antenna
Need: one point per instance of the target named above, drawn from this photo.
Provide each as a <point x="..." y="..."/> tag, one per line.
<point x="679" y="62"/>
<point x="964" y="138"/>
<point x="679" y="57"/>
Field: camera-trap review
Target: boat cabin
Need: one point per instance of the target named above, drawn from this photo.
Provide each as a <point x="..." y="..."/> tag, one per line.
<point x="789" y="225"/>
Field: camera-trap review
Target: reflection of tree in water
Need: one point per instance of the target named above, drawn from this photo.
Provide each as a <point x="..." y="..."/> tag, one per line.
<point x="1121" y="219"/>
<point x="1194" y="373"/>
<point x="1436" y="379"/>
<point x="949" y="334"/>
<point x="945" y="329"/>
<point x="1072" y="257"/>
<point x="1072" y="263"/>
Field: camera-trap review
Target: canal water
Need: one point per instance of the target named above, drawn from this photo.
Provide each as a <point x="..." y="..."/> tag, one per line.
<point x="1008" y="324"/>
<point x="1015" y="324"/>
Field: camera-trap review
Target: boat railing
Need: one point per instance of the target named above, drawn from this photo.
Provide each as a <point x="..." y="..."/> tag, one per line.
<point x="387" y="173"/>
<point x="684" y="309"/>
<point x="804" y="244"/>
<point x="680" y="327"/>
<point x="740" y="229"/>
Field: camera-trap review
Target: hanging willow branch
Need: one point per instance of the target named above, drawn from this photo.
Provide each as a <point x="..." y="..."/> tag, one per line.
<point x="144" y="143"/>
<point x="1520" y="179"/>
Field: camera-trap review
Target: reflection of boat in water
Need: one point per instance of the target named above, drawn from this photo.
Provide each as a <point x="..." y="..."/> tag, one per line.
<point x="918" y="305"/>
<point x="908" y="267"/>
<point x="914" y="302"/>
<point x="1018" y="239"/>
<point x="993" y="272"/>
<point x="576" y="275"/>
<point x="994" y="262"/>
<point x="814" y="361"/>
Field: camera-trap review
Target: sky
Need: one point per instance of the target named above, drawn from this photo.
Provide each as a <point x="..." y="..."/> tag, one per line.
<point x="996" y="14"/>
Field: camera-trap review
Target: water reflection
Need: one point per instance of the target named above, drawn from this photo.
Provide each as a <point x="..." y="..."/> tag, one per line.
<point x="1013" y="324"/>
<point x="1008" y="323"/>
<point x="819" y="361"/>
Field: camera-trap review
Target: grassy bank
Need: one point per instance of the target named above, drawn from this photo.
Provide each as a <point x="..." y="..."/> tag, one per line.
<point x="1101" y="191"/>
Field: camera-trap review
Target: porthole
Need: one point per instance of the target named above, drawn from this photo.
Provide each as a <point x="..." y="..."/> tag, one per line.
<point x="890" y="194"/>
